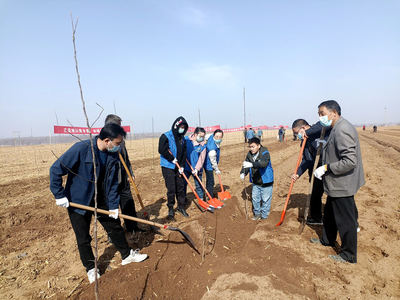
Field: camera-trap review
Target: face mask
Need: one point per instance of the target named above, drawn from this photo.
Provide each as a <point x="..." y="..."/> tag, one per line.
<point x="181" y="130"/>
<point x="299" y="136"/>
<point x="199" y="139"/>
<point x="114" y="149"/>
<point x="325" y="121"/>
<point x="218" y="141"/>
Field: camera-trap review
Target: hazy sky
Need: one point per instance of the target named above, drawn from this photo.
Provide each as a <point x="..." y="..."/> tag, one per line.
<point x="164" y="58"/>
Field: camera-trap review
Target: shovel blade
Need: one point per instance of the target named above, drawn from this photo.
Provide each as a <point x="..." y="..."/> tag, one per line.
<point x="224" y="195"/>
<point x="186" y="237"/>
<point x="216" y="203"/>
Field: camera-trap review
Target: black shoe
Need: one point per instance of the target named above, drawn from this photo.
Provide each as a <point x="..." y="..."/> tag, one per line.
<point x="171" y="213"/>
<point x="311" y="221"/>
<point x="183" y="212"/>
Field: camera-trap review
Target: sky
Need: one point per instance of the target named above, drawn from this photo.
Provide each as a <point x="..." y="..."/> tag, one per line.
<point x="163" y="59"/>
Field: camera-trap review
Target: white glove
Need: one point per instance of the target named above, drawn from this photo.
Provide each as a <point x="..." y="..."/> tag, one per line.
<point x="319" y="172"/>
<point x="247" y="164"/>
<point x="113" y="213"/>
<point x="194" y="172"/>
<point x="320" y="141"/>
<point x="180" y="170"/>
<point x="242" y="175"/>
<point x="174" y="161"/>
<point x="63" y="202"/>
<point x="218" y="172"/>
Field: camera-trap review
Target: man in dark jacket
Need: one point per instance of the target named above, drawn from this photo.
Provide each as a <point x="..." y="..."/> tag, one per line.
<point x="302" y="129"/>
<point x="126" y="202"/>
<point x="77" y="163"/>
<point x="172" y="149"/>
<point x="258" y="164"/>
<point x="342" y="174"/>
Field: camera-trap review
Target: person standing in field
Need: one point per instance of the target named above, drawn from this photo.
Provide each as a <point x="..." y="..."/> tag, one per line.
<point x="260" y="134"/>
<point x="245" y="135"/>
<point x="172" y="149"/>
<point x="258" y="164"/>
<point x="212" y="159"/>
<point x="126" y="200"/>
<point x="250" y="134"/>
<point x="77" y="164"/>
<point x="342" y="174"/>
<point x="196" y="155"/>
<point x="302" y="129"/>
<point x="281" y="134"/>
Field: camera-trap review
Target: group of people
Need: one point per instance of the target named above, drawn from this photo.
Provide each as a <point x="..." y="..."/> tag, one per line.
<point x="339" y="175"/>
<point x="251" y="133"/>
<point x="189" y="155"/>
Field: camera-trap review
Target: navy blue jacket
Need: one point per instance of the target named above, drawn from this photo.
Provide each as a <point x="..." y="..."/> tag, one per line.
<point x="77" y="163"/>
<point x="310" y="150"/>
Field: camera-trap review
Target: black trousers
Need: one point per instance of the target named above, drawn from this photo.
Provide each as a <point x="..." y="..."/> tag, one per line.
<point x="316" y="200"/>
<point x="175" y="184"/>
<point x="340" y="214"/>
<point x="81" y="225"/>
<point x="128" y="208"/>
<point x="210" y="182"/>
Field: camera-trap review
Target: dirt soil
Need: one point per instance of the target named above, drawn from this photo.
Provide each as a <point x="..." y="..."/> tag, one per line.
<point x="238" y="258"/>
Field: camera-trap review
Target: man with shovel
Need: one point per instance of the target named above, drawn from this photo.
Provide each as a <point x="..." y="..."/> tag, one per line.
<point x="172" y="149"/>
<point x="342" y="174"/>
<point x="126" y="200"/>
<point x="77" y="163"/>
<point x="258" y="164"/>
<point x="302" y="129"/>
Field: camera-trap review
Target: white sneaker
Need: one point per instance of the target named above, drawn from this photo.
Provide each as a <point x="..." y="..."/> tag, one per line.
<point x="358" y="229"/>
<point x="91" y="274"/>
<point x="134" y="256"/>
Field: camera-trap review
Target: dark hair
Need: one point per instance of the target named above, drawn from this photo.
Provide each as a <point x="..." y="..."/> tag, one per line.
<point x="254" y="140"/>
<point x="218" y="130"/>
<point x="111" y="131"/>
<point x="199" y="129"/>
<point x="332" y="105"/>
<point x="113" y="119"/>
<point x="299" y="123"/>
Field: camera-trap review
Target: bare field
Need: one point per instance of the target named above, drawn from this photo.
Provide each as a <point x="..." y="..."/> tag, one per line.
<point x="243" y="259"/>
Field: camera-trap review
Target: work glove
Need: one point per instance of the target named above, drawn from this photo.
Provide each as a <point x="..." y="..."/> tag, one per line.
<point x="218" y="172"/>
<point x="295" y="177"/>
<point x="194" y="172"/>
<point x="320" y="171"/>
<point x="175" y="160"/>
<point x="247" y="164"/>
<point x="180" y="170"/>
<point x="113" y="213"/>
<point x="63" y="202"/>
<point x="242" y="175"/>
<point x="320" y="141"/>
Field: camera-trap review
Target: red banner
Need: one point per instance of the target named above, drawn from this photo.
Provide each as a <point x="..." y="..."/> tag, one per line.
<point x="207" y="129"/>
<point x="81" y="130"/>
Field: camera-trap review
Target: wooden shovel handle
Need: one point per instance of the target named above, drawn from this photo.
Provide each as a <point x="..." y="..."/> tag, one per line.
<point x="106" y="212"/>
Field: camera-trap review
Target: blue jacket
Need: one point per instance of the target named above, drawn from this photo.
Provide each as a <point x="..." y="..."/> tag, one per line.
<point x="172" y="147"/>
<point x="211" y="145"/>
<point x="193" y="153"/>
<point x="77" y="163"/>
<point x="250" y="134"/>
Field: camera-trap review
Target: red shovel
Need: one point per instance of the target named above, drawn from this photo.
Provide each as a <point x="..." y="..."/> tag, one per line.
<point x="212" y="201"/>
<point x="292" y="183"/>
<point x="200" y="203"/>
<point x="223" y="195"/>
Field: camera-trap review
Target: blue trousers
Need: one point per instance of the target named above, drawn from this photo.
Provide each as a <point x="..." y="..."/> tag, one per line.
<point x="199" y="189"/>
<point x="261" y="198"/>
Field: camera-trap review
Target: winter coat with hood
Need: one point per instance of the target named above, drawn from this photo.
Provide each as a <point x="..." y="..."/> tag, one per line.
<point x="174" y="142"/>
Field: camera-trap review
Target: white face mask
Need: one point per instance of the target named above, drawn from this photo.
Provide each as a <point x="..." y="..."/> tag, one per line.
<point x="325" y="121"/>
<point x="199" y="139"/>
<point x="181" y="130"/>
